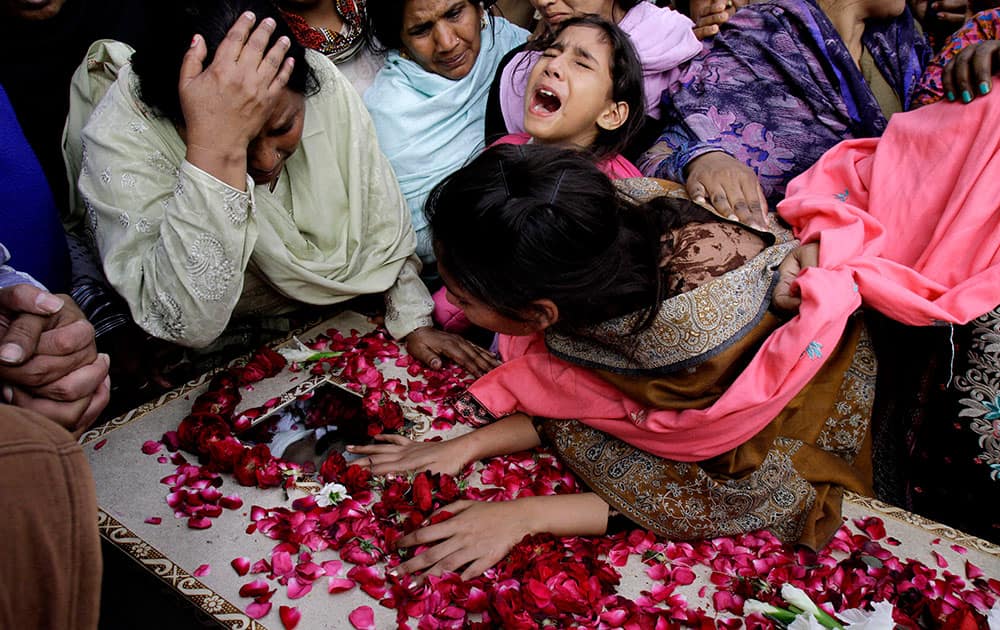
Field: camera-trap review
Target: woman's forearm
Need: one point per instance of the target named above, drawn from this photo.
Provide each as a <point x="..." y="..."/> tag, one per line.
<point x="508" y="435"/>
<point x="584" y="514"/>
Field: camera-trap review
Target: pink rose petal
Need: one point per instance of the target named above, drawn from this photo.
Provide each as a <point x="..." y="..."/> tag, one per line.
<point x="298" y="588"/>
<point x="290" y="616"/>
<point x="241" y="565"/>
<point x="153" y="520"/>
<point x="339" y="585"/>
<point x="199" y="522"/>
<point x="257" y="610"/>
<point x="203" y="570"/>
<point x="362" y="618"/>
<point x="231" y="502"/>
<point x="151" y="446"/>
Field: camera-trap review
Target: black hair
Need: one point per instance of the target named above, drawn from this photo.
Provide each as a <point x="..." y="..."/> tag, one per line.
<point x="159" y="55"/>
<point x="526" y="223"/>
<point x="626" y="81"/>
<point x="384" y="27"/>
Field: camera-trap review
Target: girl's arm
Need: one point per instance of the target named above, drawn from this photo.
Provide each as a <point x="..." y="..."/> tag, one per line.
<point x="397" y="454"/>
<point x="480" y="533"/>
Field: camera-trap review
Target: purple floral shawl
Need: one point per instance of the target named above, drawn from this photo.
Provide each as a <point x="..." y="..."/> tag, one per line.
<point x="777" y="87"/>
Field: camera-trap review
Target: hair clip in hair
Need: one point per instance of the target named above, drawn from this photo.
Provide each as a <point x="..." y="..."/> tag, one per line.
<point x="503" y="177"/>
<point x="555" y="191"/>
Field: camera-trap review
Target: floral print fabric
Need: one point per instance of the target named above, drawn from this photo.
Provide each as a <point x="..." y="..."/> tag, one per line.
<point x="777" y="88"/>
<point x="983" y="26"/>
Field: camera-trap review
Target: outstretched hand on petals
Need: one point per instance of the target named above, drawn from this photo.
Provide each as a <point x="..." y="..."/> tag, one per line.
<point x="399" y="454"/>
<point x="430" y="346"/>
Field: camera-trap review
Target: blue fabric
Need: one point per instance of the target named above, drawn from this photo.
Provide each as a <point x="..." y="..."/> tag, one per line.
<point x="29" y="221"/>
<point x="429" y="126"/>
<point x="777" y="87"/>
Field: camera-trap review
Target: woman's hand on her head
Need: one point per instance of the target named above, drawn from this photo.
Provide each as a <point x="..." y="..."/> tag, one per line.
<point x="729" y="186"/>
<point x="430" y="346"/>
<point x="970" y="73"/>
<point x="785" y="296"/>
<point x="226" y="104"/>
<point x="398" y="454"/>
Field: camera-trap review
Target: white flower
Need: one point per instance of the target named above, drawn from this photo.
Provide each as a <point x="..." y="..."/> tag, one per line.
<point x="299" y="353"/>
<point x="805" y="622"/>
<point x="751" y="606"/>
<point x="798" y="598"/>
<point x="331" y="494"/>
<point x="860" y="619"/>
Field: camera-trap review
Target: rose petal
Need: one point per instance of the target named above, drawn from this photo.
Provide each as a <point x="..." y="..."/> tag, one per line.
<point x="203" y="570"/>
<point x="290" y="616"/>
<point x="100" y="444"/>
<point x="231" y="502"/>
<point x="151" y="446"/>
<point x="199" y="522"/>
<point x="254" y="589"/>
<point x="298" y="588"/>
<point x="362" y="618"/>
<point x="154" y="520"/>
<point x="241" y="565"/>
<point x="339" y="585"/>
<point x="257" y="610"/>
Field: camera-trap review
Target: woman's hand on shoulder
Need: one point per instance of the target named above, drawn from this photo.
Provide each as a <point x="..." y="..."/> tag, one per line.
<point x="786" y="297"/>
<point x="970" y="73"/>
<point x="227" y="103"/>
<point x="708" y="15"/>
<point x="397" y="454"/>
<point x="430" y="346"/>
<point x="729" y="186"/>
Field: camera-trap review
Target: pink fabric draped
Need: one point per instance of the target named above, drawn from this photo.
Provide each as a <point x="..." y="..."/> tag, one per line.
<point x="908" y="222"/>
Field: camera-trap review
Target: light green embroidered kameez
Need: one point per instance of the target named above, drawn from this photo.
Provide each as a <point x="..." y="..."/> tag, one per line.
<point x="188" y="252"/>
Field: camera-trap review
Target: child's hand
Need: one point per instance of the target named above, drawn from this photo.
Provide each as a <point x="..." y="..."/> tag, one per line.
<point x="479" y="535"/>
<point x="786" y="296"/>
<point x="429" y="345"/>
<point x="399" y="454"/>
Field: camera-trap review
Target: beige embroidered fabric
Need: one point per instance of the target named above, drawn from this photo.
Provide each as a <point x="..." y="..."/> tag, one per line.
<point x="177" y="243"/>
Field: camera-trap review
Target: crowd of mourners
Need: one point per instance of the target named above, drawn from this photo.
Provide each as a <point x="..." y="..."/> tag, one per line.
<point x="728" y="259"/>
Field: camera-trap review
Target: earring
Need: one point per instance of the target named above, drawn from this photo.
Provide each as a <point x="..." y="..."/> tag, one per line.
<point x="483" y="23"/>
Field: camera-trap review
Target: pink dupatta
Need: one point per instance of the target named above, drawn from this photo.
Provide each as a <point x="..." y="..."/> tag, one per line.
<point x="909" y="223"/>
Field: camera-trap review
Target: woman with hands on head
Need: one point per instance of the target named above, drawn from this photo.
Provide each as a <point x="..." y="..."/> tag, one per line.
<point x="227" y="173"/>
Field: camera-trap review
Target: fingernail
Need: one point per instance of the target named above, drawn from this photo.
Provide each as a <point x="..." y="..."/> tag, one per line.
<point x="733" y="217"/>
<point x="8" y="393"/>
<point x="249" y="16"/>
<point x="194" y="41"/>
<point x="966" y="97"/>
<point x="48" y="302"/>
<point x="350" y="447"/>
<point x="950" y="96"/>
<point x="984" y="88"/>
<point x="11" y="353"/>
<point x="107" y="381"/>
<point x="106" y="357"/>
<point x="436" y="364"/>
<point x="268" y="21"/>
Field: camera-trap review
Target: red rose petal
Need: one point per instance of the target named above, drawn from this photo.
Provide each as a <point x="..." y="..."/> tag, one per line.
<point x="241" y="565"/>
<point x="231" y="502"/>
<point x="199" y="522"/>
<point x="939" y="559"/>
<point x="362" y="618"/>
<point x="254" y="589"/>
<point x="290" y="616"/>
<point x="100" y="445"/>
<point x="150" y="446"/>
<point x="972" y="571"/>
<point x="153" y="520"/>
<point x="203" y="570"/>
<point x="257" y="610"/>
